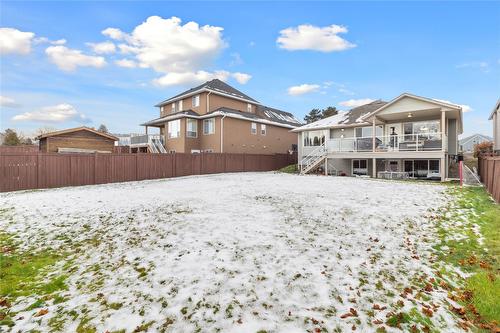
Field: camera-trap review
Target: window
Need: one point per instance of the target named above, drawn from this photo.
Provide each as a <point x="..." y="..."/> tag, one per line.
<point x="191" y="128"/>
<point x="180" y="105"/>
<point x="253" y="128"/>
<point x="173" y="107"/>
<point x="424" y="129"/>
<point x="249" y="107"/>
<point x="362" y="132"/>
<point x="314" y="138"/>
<point x="174" y="129"/>
<point x="359" y="167"/>
<point x="209" y="126"/>
<point x="196" y="101"/>
<point x="263" y="129"/>
<point x="422" y="168"/>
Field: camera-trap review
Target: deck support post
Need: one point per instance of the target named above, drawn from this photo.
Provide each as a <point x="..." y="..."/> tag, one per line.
<point x="443" y="130"/>
<point x="146" y="130"/>
<point x="442" y="168"/>
<point x="374" y="168"/>
<point x="373" y="134"/>
<point x="326" y="166"/>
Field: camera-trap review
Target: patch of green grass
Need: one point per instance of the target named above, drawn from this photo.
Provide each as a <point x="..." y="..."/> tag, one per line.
<point x="482" y="259"/>
<point x="21" y="272"/>
<point x="486" y="291"/>
<point x="292" y="168"/>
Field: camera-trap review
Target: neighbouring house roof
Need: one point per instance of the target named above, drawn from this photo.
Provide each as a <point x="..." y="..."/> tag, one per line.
<point x="269" y="118"/>
<point x="76" y="129"/>
<point x="278" y="115"/>
<point x="216" y="86"/>
<point x="495" y="109"/>
<point x="355" y="116"/>
<point x="478" y="137"/>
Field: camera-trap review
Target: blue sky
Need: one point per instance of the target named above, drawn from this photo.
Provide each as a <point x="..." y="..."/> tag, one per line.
<point x="340" y="54"/>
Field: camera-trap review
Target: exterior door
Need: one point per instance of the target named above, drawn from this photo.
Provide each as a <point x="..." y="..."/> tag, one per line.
<point x="393" y="165"/>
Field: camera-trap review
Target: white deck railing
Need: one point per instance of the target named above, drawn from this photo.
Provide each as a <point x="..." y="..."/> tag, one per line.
<point x="389" y="143"/>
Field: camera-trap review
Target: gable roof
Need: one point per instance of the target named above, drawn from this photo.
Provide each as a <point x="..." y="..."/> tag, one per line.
<point x="215" y="86"/>
<point x="76" y="129"/>
<point x="345" y="118"/>
<point x="232" y="113"/>
<point x="408" y="95"/>
<point x="495" y="109"/>
<point x="475" y="136"/>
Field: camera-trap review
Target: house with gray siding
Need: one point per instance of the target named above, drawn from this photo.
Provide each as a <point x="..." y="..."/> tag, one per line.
<point x="408" y="137"/>
<point x="467" y="144"/>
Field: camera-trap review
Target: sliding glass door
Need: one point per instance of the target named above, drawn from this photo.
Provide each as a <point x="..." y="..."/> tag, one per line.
<point x="422" y="168"/>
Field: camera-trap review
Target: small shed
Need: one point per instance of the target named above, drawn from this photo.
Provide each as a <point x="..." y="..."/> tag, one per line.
<point x="77" y="140"/>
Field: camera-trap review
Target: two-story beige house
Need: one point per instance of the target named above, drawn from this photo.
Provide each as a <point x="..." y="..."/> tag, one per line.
<point x="215" y="117"/>
<point x="408" y="137"/>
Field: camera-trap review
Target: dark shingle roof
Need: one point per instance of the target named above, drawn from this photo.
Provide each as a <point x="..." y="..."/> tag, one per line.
<point x="354" y="115"/>
<point x="276" y="116"/>
<point x="216" y="85"/>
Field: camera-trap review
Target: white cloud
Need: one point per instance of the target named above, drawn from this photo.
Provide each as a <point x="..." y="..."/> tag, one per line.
<point x="127" y="63"/>
<point x="465" y="107"/>
<point x="13" y="41"/>
<point x="236" y="59"/>
<point x="309" y="37"/>
<point x="186" y="78"/>
<point x="114" y="33"/>
<point x="346" y="91"/>
<point x="167" y="46"/>
<point x="69" y="59"/>
<point x="102" y="48"/>
<point x="352" y="103"/>
<point x="303" y="89"/>
<point x="56" y="113"/>
<point x="179" y="52"/>
<point x="8" y="102"/>
<point x="483" y="66"/>
<point x="242" y="78"/>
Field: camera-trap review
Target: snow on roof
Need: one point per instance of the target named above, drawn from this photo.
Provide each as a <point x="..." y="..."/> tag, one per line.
<point x="337" y="119"/>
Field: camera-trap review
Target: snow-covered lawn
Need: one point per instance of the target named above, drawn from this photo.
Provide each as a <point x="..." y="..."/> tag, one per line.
<point x="242" y="252"/>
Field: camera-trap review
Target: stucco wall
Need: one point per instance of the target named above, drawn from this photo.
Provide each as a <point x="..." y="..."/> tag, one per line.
<point x="239" y="139"/>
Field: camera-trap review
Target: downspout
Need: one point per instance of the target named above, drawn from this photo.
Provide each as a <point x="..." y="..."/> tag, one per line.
<point x="222" y="132"/>
<point x="208" y="101"/>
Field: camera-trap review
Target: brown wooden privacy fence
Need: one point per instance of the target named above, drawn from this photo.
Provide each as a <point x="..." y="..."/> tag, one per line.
<point x="489" y="172"/>
<point x="47" y="170"/>
<point x="19" y="149"/>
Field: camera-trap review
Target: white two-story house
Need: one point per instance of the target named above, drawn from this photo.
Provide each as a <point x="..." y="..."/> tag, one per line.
<point x="408" y="137"/>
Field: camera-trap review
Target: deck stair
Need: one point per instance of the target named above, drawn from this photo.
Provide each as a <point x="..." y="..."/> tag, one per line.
<point x="313" y="160"/>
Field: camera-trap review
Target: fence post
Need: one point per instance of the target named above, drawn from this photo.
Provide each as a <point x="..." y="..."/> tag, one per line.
<point x="95" y="168"/>
<point x="136" y="168"/>
<point x="37" y="171"/>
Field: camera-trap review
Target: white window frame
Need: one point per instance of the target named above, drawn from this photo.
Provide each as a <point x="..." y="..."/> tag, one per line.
<point x="212" y="130"/>
<point x="249" y="107"/>
<point x="263" y="129"/>
<point x="171" y="129"/>
<point x="173" y="107"/>
<point x="194" y="130"/>
<point x="195" y="101"/>
<point x="253" y="128"/>
<point x="180" y="106"/>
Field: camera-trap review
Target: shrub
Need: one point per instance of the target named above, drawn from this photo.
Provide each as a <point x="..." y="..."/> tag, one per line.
<point x="483" y="148"/>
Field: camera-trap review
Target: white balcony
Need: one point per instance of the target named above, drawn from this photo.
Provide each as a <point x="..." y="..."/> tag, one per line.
<point x="389" y="143"/>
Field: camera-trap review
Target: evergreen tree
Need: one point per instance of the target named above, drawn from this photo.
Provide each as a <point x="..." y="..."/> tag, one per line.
<point x="312" y="116"/>
<point x="328" y="112"/>
<point x="102" y="128"/>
